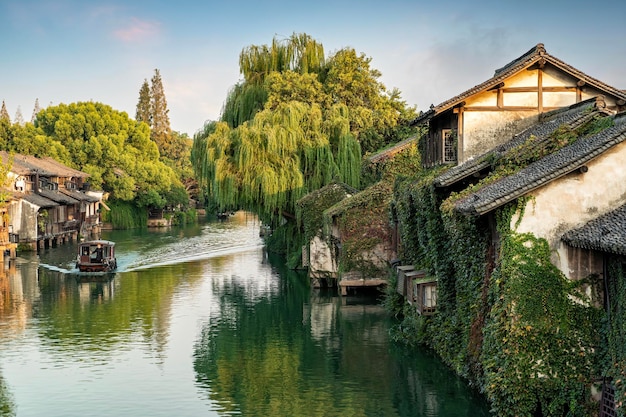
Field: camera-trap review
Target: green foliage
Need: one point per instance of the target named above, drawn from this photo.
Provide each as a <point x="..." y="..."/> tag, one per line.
<point x="267" y="165"/>
<point x="541" y="334"/>
<point x="509" y="321"/>
<point x="124" y="215"/>
<point x="115" y="150"/>
<point x="532" y="150"/>
<point x="243" y="102"/>
<point x="614" y="365"/>
<point x="160" y="130"/>
<point x="4" y="113"/>
<point x="292" y="126"/>
<point x="143" y="105"/>
<point x="310" y="209"/>
<point x="405" y="163"/>
<point x="364" y="228"/>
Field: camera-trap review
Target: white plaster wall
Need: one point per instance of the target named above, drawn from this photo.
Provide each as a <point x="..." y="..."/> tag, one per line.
<point x="523" y="78"/>
<point x="486" y="98"/>
<point x="575" y="199"/>
<point x="483" y="131"/>
<point x="24" y="219"/>
<point x="320" y="257"/>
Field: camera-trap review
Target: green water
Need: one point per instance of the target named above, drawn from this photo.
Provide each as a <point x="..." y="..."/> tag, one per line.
<point x="201" y="322"/>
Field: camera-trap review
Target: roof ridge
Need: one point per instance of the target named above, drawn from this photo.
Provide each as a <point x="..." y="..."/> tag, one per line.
<point x="537" y="50"/>
<point x="535" y="54"/>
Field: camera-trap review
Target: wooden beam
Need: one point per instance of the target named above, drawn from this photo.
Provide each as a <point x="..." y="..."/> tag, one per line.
<point x="540" y="88"/>
<point x="536" y="89"/>
<point x="507" y="108"/>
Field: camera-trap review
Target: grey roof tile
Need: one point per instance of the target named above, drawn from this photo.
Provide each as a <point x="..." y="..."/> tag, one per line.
<point x="39" y="200"/>
<point x="544" y="170"/>
<point x="548" y="123"/>
<point x="607" y="233"/>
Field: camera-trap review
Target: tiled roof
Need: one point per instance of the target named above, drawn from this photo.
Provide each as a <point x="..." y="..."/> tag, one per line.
<point x="606" y="233"/>
<point x="79" y="195"/>
<point x="544" y="170"/>
<point x="548" y="123"/>
<point x="347" y="190"/>
<point x="38" y="200"/>
<point x="398" y="147"/>
<point x="57" y="197"/>
<point x="381" y="191"/>
<point x="534" y="55"/>
<point x="46" y="166"/>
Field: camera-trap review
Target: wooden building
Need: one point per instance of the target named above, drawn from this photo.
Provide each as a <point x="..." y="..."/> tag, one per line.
<point x="49" y="202"/>
<point x="488" y="114"/>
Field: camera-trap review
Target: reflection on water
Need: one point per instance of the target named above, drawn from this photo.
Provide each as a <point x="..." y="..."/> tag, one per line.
<point x="200" y="321"/>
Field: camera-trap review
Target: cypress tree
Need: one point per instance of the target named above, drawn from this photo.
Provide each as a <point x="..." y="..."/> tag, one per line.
<point x="19" y="118"/>
<point x="161" y="132"/>
<point x="36" y="110"/>
<point x="143" y="105"/>
<point x="4" y="114"/>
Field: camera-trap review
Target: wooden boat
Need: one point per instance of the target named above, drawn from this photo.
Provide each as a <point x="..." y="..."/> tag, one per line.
<point x="96" y="256"/>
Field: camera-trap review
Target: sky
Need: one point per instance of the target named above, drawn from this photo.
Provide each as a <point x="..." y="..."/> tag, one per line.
<point x="66" y="51"/>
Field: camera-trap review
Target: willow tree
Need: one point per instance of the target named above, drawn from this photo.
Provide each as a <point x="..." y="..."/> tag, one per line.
<point x="299" y="53"/>
<point x="266" y="165"/>
<point x="292" y="126"/>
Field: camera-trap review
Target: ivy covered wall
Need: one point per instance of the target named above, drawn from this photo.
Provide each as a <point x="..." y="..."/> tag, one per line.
<point x="507" y="319"/>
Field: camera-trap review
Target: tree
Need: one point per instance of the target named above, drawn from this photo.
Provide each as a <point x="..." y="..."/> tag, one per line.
<point x="19" y="118"/>
<point x="299" y="53"/>
<point x="292" y="126"/>
<point x="143" y="113"/>
<point x="36" y="110"/>
<point x="161" y="131"/>
<point x="4" y="114"/>
<point x="115" y="150"/>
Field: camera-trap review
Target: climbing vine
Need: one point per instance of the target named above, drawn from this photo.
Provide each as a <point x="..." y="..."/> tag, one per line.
<point x="364" y="230"/>
<point x="615" y="361"/>
<point x="507" y="318"/>
<point x="541" y="336"/>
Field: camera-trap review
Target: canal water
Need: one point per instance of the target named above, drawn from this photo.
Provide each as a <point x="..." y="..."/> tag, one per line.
<point x="200" y="321"/>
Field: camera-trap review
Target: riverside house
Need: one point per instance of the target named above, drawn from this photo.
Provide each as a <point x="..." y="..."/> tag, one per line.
<point x="550" y="140"/>
<point x="48" y="202"/>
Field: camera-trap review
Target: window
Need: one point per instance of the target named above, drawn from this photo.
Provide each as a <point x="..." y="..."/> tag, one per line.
<point x="449" y="145"/>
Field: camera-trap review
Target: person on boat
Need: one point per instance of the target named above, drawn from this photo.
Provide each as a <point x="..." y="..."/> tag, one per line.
<point x="98" y="252"/>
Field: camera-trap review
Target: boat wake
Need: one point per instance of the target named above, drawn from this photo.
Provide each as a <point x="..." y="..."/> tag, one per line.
<point x="154" y="260"/>
<point x="140" y="252"/>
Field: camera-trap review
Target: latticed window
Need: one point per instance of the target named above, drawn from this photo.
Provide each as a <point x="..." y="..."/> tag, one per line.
<point x="449" y="145"/>
<point x="607" y="403"/>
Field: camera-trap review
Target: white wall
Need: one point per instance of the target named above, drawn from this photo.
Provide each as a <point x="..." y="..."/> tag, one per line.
<point x="574" y="200"/>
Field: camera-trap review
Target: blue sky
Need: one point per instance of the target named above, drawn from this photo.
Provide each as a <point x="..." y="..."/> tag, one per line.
<point x="64" y="51"/>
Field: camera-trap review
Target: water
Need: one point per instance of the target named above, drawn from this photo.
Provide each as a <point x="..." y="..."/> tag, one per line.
<point x="201" y="322"/>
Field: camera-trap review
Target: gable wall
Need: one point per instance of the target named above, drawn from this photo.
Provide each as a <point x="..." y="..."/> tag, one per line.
<point x="484" y="131"/>
<point x="574" y="200"/>
<point x="491" y="118"/>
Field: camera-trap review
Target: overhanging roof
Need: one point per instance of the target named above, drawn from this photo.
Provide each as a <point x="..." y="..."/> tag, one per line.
<point x="607" y="233"/>
<point x="569" y="116"/>
<point x="543" y="171"/>
<point x="535" y="55"/>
